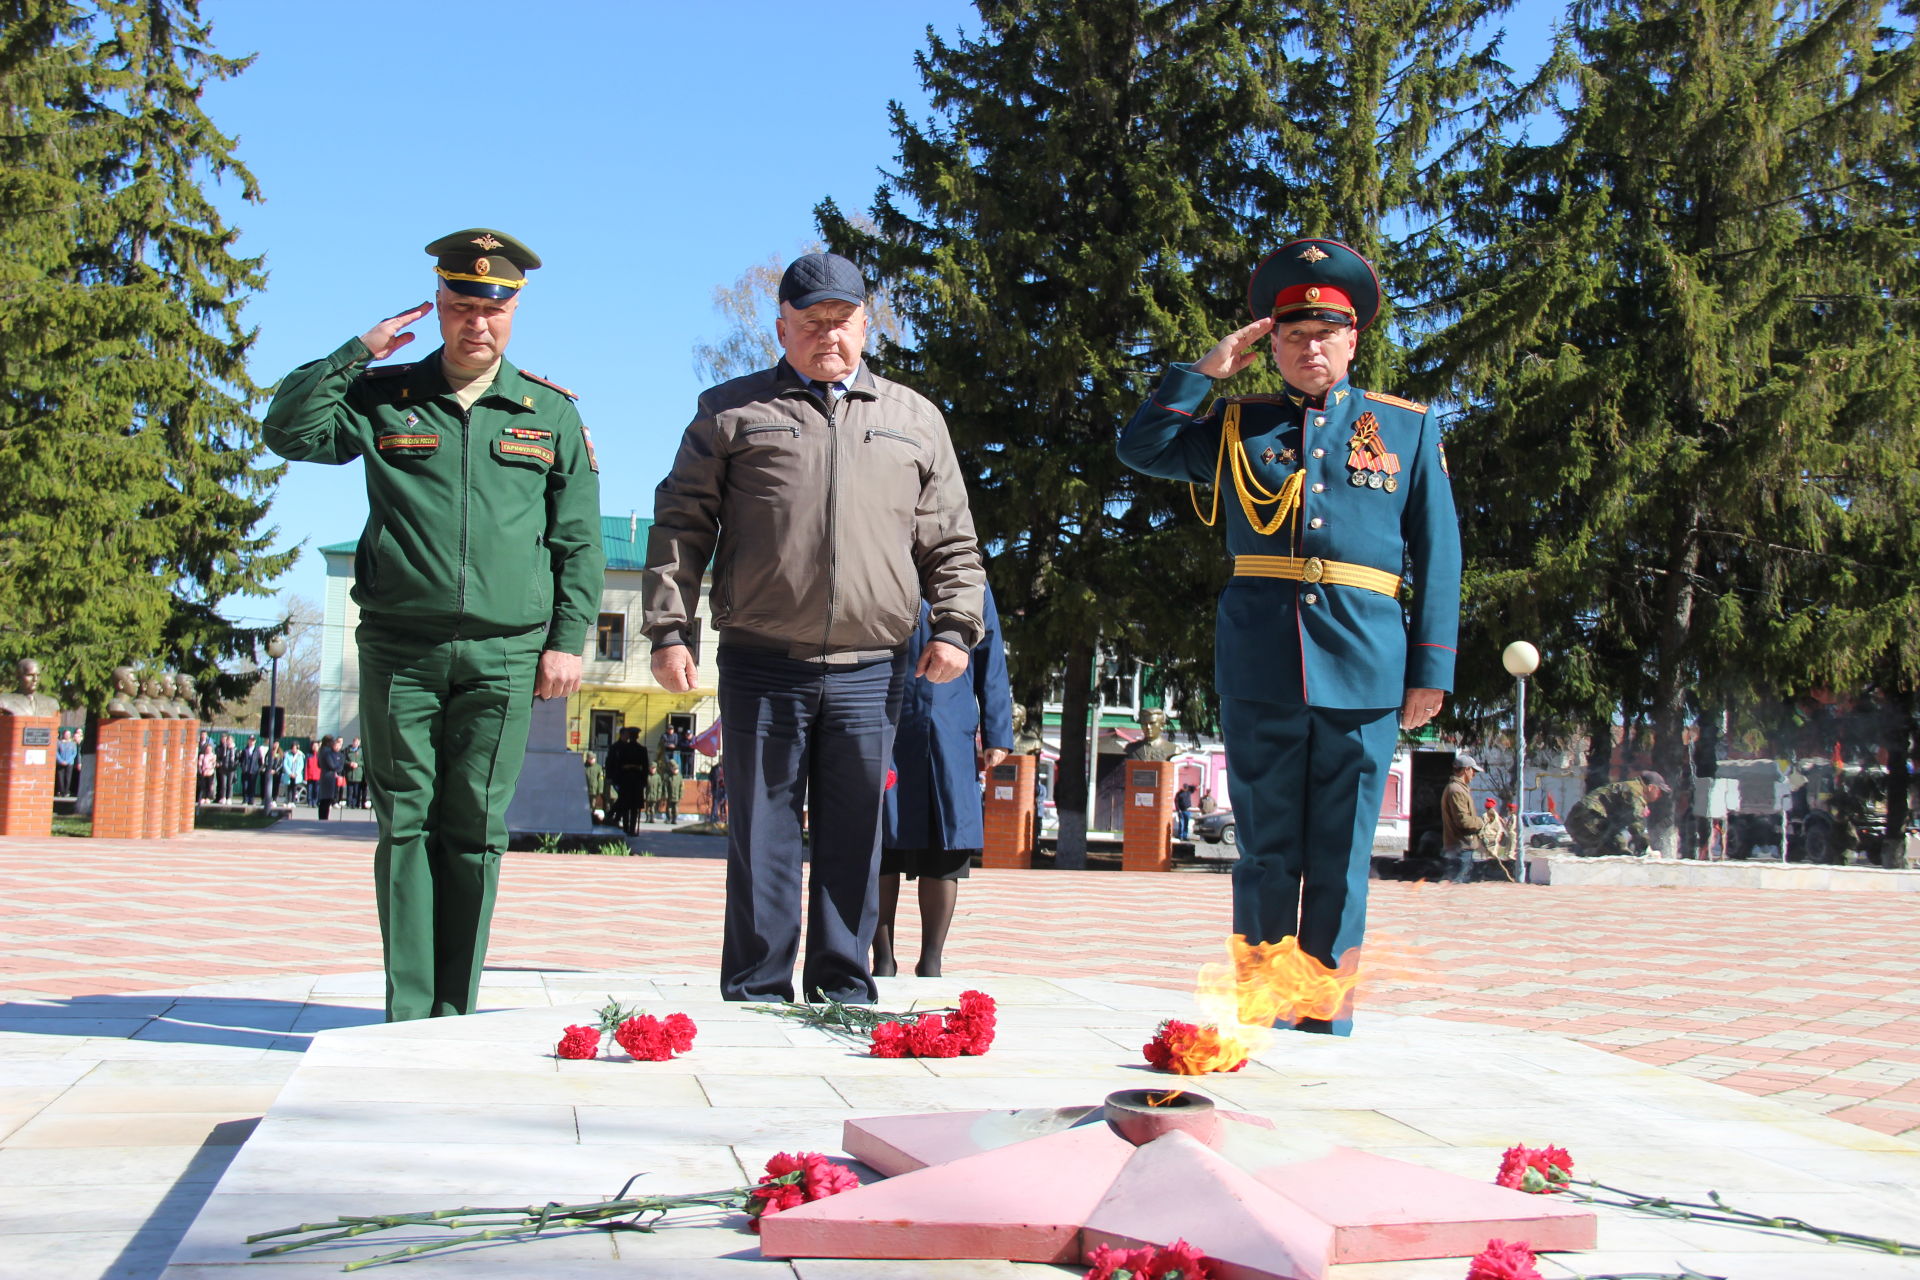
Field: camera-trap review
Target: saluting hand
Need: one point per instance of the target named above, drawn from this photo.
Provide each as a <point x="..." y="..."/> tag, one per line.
<point x="385" y="338"/>
<point x="1236" y="351"/>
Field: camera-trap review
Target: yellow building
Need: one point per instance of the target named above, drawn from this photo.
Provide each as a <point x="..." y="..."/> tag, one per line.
<point x="617" y="688"/>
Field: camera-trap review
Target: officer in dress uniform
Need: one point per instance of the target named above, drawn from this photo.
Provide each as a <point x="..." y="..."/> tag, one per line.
<point x="1339" y="625"/>
<point x="477" y="577"/>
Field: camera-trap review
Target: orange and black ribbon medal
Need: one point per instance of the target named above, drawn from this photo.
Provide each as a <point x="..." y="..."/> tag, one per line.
<point x="1371" y="465"/>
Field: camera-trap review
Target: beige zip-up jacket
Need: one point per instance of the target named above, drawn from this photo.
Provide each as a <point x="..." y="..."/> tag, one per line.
<point x="826" y="524"/>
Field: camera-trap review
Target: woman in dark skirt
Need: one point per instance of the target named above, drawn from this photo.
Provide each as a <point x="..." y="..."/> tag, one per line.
<point x="934" y="817"/>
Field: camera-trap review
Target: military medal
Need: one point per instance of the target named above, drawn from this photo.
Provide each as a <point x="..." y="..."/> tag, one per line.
<point x="1393" y="482"/>
<point x="1288" y="457"/>
<point x="1367" y="455"/>
<point x="1269" y="456"/>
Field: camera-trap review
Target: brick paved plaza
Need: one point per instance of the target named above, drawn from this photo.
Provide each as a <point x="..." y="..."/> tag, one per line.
<point x="1810" y="998"/>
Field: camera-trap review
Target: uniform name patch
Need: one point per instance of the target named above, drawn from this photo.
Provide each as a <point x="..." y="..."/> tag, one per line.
<point x="408" y="442"/>
<point x="527" y="450"/>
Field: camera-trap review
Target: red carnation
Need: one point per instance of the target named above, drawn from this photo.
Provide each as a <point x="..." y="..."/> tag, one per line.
<point x="889" y="1040"/>
<point x="1503" y="1261"/>
<point x="1540" y="1171"/>
<point x="928" y="1038"/>
<point x="579" y="1042"/>
<point x="648" y="1039"/>
<point x="680" y="1031"/>
<point x="1177" y="1261"/>
<point x="973" y="1025"/>
<point x="793" y="1180"/>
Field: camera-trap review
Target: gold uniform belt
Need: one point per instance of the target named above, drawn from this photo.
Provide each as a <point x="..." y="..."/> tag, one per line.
<point x="1313" y="569"/>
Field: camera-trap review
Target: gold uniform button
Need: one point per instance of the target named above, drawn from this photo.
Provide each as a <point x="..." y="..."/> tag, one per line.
<point x="1315" y="523"/>
<point x="1319" y="453"/>
<point x="1318" y="487"/>
<point x="1310" y="598"/>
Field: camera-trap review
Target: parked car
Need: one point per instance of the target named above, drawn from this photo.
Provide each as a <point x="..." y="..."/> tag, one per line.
<point x="1544" y="831"/>
<point x="1214" y="828"/>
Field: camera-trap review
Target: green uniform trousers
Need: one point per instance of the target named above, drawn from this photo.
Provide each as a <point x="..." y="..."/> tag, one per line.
<point x="445" y="724"/>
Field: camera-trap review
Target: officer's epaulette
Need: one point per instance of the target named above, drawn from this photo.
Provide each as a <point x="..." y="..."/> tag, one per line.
<point x="390" y="370"/>
<point x="1384" y="398"/>
<point x="548" y="382"/>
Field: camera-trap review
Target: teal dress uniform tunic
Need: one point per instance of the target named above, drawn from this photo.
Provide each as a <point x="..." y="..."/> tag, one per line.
<point x="482" y="548"/>
<point x="1311" y="674"/>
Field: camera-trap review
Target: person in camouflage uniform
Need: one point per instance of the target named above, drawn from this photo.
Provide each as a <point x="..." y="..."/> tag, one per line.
<point x="1610" y="821"/>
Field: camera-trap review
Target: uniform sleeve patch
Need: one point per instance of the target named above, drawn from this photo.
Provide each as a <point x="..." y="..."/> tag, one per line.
<point x="1442" y="447"/>
<point x="1384" y="398"/>
<point x="548" y="382"/>
<point x="419" y="440"/>
<point x="593" y="459"/>
<point x="526" y="449"/>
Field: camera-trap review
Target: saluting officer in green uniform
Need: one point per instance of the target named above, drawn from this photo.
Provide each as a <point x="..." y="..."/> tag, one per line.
<point x="1329" y="494"/>
<point x="477" y="577"/>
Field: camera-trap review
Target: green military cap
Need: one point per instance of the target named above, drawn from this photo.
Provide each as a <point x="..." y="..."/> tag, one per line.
<point x="482" y="263"/>
<point x="1315" y="280"/>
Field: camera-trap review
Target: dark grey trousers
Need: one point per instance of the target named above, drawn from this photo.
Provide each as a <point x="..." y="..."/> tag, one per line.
<point x="802" y="736"/>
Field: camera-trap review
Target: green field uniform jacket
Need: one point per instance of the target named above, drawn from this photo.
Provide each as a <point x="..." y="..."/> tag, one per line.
<point x="484" y="521"/>
<point x="1618" y="806"/>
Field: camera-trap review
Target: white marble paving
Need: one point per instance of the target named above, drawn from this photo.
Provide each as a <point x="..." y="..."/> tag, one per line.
<point x="136" y="1104"/>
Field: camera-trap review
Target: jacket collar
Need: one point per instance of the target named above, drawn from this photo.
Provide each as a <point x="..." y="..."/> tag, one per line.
<point x="428" y="380"/>
<point x="789" y="381"/>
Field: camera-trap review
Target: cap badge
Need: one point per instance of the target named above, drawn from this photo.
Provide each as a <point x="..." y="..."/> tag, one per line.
<point x="487" y="240"/>
<point x="1313" y="253"/>
<point x="481" y="266"/>
<point x="1313" y="292"/>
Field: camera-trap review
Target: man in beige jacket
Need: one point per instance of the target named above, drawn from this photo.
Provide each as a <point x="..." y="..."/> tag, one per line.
<point x="830" y="503"/>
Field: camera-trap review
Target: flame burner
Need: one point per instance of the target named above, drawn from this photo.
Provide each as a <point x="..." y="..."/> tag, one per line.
<point x="1141" y="1115"/>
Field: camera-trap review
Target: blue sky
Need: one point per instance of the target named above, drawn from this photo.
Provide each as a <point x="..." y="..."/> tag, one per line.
<point x="646" y="151"/>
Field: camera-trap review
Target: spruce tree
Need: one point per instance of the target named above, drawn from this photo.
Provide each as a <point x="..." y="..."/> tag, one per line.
<point x="1680" y="333"/>
<point x="131" y="490"/>
<point x="1084" y="208"/>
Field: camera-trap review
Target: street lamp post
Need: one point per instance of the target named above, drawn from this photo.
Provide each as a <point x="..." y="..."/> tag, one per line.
<point x="275" y="647"/>
<point x="1521" y="660"/>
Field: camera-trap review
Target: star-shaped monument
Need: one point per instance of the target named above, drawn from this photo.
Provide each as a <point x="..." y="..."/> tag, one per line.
<point x="1053" y="1184"/>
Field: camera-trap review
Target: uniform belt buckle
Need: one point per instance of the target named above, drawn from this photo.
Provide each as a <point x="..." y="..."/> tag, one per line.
<point x="1313" y="570"/>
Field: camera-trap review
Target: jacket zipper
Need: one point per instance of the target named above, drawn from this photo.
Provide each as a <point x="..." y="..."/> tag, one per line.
<point x="890" y="435"/>
<point x="833" y="543"/>
<point x="466" y="469"/>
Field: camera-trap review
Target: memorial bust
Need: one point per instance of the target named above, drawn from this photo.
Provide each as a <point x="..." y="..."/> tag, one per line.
<point x="26" y="699"/>
<point x="185" y="701"/>
<point x="126" y="691"/>
<point x="1153" y="744"/>
<point x="1025" y="742"/>
<point x="152" y="702"/>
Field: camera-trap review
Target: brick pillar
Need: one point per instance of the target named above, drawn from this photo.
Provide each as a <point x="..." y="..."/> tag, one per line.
<point x="189" y="731"/>
<point x="158" y="819"/>
<point x="121" y="773"/>
<point x="26" y="774"/>
<point x="1010" y="814"/>
<point x="1147" y="830"/>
